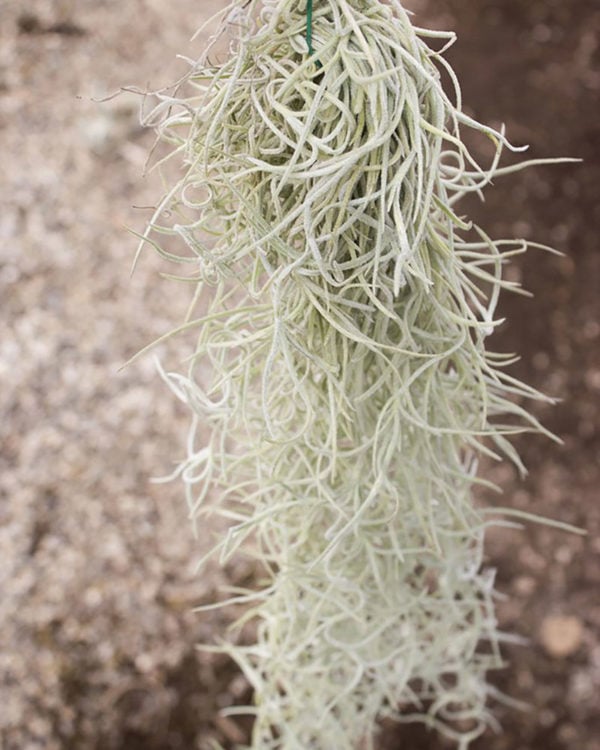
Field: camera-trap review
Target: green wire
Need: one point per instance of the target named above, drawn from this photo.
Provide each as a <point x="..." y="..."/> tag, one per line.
<point x="309" y="14"/>
<point x="309" y="30"/>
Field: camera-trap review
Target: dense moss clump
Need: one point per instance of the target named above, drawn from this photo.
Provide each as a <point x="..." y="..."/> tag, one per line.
<point x="343" y="307"/>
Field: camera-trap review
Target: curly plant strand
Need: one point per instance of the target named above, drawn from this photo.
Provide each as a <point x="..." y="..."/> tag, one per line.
<point x="340" y="370"/>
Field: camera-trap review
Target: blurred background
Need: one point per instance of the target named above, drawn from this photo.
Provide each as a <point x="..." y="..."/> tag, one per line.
<point x="97" y="576"/>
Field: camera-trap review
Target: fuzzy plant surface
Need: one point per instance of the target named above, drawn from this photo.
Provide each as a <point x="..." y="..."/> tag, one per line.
<point x="341" y="387"/>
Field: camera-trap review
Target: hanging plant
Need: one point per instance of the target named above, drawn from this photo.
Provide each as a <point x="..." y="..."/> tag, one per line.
<point x="341" y="371"/>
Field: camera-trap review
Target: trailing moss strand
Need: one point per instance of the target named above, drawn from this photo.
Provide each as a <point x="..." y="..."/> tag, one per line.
<point x="341" y="387"/>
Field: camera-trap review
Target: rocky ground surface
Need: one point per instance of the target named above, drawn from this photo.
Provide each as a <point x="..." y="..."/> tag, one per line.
<point x="97" y="577"/>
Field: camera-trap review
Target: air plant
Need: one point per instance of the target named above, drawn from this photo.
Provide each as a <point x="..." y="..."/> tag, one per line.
<point x="341" y="387"/>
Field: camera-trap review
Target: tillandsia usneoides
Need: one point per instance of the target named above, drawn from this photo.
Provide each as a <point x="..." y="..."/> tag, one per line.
<point x="341" y="371"/>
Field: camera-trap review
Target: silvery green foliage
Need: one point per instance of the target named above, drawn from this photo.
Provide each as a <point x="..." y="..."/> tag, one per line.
<point x="342" y="309"/>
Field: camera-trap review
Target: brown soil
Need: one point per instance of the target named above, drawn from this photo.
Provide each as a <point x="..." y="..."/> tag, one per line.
<point x="97" y="576"/>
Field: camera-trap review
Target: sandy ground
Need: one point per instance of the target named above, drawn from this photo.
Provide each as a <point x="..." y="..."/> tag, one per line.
<point x="97" y="577"/>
